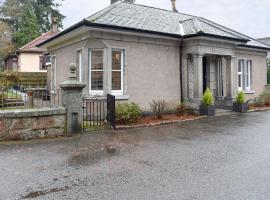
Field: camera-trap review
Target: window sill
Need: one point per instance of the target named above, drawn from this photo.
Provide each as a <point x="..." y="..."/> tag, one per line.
<point x="249" y="92"/>
<point x="122" y="97"/>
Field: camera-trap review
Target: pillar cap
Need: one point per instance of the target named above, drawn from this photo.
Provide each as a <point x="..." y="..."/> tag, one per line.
<point x="72" y="82"/>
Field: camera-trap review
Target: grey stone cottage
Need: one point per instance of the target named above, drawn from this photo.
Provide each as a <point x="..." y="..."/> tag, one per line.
<point x="141" y="53"/>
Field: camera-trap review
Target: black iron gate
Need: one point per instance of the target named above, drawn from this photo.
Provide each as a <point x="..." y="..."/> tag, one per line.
<point x="98" y="112"/>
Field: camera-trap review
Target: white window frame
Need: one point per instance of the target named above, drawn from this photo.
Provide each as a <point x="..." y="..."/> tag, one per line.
<point x="95" y="92"/>
<point x="53" y="85"/>
<point x="80" y="62"/>
<point x="119" y="92"/>
<point x="240" y="74"/>
<point x="245" y="74"/>
<point x="248" y="74"/>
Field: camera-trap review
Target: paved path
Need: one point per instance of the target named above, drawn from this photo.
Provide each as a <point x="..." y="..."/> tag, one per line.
<point x="217" y="158"/>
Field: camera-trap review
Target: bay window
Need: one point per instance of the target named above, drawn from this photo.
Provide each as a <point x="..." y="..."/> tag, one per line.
<point x="117" y="72"/>
<point x="106" y="71"/>
<point x="244" y="75"/>
<point x="96" y="71"/>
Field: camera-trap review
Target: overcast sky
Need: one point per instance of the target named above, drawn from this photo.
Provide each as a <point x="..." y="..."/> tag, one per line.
<point x="250" y="17"/>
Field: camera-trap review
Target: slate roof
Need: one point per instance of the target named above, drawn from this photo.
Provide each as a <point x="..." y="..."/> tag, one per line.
<point x="142" y="17"/>
<point x="32" y="46"/>
<point x="123" y="15"/>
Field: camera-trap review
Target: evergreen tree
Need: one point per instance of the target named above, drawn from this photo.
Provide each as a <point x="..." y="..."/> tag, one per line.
<point x="29" y="18"/>
<point x="6" y="45"/>
<point x="27" y="28"/>
<point x="45" y="10"/>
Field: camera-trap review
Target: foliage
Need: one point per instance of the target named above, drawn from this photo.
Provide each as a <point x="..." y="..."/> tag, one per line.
<point x="207" y="98"/>
<point x="29" y="18"/>
<point x="264" y="98"/>
<point x="181" y="109"/>
<point x="127" y="113"/>
<point x="27" y="29"/>
<point x="6" y="45"/>
<point x="45" y="10"/>
<point x="158" y="108"/>
<point x="10" y="78"/>
<point x="240" y="97"/>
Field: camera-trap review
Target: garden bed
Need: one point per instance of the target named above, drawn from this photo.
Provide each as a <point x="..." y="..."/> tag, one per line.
<point x="147" y="121"/>
<point x="258" y="108"/>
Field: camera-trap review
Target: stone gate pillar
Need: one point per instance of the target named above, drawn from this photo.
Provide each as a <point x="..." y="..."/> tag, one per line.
<point x="72" y="99"/>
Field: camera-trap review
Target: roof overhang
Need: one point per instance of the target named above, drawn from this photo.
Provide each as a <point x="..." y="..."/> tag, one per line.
<point x="86" y="23"/>
<point x="254" y="47"/>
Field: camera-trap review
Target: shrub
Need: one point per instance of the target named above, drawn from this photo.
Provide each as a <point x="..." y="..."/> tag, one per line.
<point x="158" y="108"/>
<point x="182" y="109"/>
<point x="127" y="113"/>
<point x="264" y="98"/>
<point x="207" y="98"/>
<point x="240" y="98"/>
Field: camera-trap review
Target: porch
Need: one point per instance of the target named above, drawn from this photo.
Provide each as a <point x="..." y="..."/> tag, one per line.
<point x="216" y="72"/>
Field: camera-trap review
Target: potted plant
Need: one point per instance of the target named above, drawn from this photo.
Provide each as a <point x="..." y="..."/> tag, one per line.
<point x="207" y="107"/>
<point x="240" y="105"/>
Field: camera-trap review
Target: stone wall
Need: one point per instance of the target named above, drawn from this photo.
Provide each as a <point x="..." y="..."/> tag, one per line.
<point x="28" y="124"/>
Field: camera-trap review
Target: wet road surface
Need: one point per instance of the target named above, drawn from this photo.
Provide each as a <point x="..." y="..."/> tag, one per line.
<point x="216" y="158"/>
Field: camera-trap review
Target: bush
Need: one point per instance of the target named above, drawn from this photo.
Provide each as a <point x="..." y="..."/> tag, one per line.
<point x="207" y="98"/>
<point x="264" y="98"/>
<point x="181" y="109"/>
<point x="127" y="113"/>
<point x="158" y="108"/>
<point x="240" y="97"/>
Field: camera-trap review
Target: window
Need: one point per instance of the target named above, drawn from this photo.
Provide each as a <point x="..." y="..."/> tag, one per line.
<point x="96" y="71"/>
<point x="42" y="63"/>
<point x="117" y="71"/>
<point x="244" y="75"/>
<point x="79" y="64"/>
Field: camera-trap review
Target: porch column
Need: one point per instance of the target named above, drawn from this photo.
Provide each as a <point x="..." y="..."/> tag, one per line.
<point x="232" y="77"/>
<point x="185" y="76"/>
<point x="198" y="76"/>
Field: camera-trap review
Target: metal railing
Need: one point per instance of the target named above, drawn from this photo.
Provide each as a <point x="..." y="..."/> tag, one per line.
<point x="98" y="111"/>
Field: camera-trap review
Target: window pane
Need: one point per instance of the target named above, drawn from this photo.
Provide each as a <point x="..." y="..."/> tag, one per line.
<point x="247" y="74"/>
<point x="97" y="60"/>
<point x="116" y="80"/>
<point x="239" y="81"/>
<point x="239" y="66"/>
<point x="96" y="80"/>
<point x="116" y="60"/>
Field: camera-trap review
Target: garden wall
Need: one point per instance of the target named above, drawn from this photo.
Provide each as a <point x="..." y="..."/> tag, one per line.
<point x="25" y="124"/>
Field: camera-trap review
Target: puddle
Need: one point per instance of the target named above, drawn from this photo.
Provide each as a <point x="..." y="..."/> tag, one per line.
<point x="36" y="194"/>
<point x="92" y="157"/>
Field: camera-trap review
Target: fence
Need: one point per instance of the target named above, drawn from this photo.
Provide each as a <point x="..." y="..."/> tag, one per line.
<point x="29" y="79"/>
<point x="99" y="111"/>
<point x="22" y="96"/>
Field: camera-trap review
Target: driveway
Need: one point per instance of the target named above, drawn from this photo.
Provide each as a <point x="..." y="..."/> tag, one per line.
<point x="216" y="158"/>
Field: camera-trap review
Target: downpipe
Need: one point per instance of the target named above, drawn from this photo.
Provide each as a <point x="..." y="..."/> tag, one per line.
<point x="181" y="69"/>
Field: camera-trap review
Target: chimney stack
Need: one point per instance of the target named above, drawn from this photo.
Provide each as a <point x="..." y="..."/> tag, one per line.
<point x="128" y="1"/>
<point x="174" y="6"/>
<point x="54" y="25"/>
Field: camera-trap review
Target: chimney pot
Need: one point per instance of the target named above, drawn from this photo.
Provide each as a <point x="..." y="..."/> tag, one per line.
<point x="174" y="6"/>
<point x="54" y="25"/>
